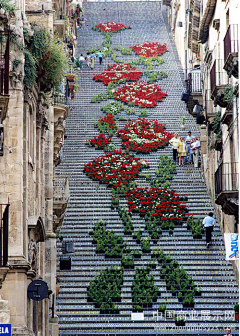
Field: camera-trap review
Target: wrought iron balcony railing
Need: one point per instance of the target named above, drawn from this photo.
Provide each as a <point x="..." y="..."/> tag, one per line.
<point x="194" y="81"/>
<point x="218" y="76"/>
<point x="231" y="41"/>
<point x="227" y="177"/>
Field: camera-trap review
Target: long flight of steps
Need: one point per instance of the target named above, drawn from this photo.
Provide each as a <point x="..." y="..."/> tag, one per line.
<point x="90" y="202"/>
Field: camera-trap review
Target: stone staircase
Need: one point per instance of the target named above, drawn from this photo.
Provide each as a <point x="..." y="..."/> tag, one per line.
<point x="89" y="202"/>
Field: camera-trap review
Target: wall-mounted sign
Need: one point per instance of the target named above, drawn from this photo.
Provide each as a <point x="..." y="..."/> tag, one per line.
<point x="6" y="329"/>
<point x="231" y="246"/>
<point x="37" y="290"/>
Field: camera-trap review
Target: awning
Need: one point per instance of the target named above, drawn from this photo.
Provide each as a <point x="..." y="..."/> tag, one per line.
<point x="206" y="20"/>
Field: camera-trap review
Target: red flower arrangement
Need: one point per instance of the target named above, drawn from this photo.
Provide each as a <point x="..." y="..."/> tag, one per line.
<point x="149" y="49"/>
<point x="144" y="135"/>
<point x="164" y="202"/>
<point x="100" y="141"/>
<point x="111" y="27"/>
<point x="140" y="93"/>
<point x="114" y="168"/>
<point x="108" y="120"/>
<point x="115" y="72"/>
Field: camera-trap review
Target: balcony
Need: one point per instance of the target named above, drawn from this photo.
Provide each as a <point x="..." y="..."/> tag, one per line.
<point x="60" y="200"/>
<point x="59" y="27"/>
<point x="231" y="51"/>
<point x="227" y="116"/>
<point x="61" y="112"/>
<point x="4" y="73"/>
<point x="219" y="81"/>
<point x="167" y="2"/>
<point x="226" y="187"/>
<point x="194" y="88"/>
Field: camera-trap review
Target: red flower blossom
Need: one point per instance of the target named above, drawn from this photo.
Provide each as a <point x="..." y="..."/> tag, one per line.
<point x="115" y="72"/>
<point x="108" y="119"/>
<point x="114" y="168"/>
<point x="141" y="93"/>
<point x="154" y="200"/>
<point x="111" y="27"/>
<point x="149" y="49"/>
<point x="144" y="135"/>
<point x="100" y="141"/>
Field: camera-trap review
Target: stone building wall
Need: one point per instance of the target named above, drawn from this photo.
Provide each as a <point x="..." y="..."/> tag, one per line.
<point x="26" y="183"/>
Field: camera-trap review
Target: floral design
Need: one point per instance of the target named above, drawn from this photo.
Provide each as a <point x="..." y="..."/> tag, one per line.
<point x="140" y="93"/>
<point x="109" y="120"/>
<point x="114" y="168"/>
<point x="100" y="141"/>
<point x="116" y="72"/>
<point x="164" y="202"/>
<point x="144" y="135"/>
<point x="111" y="27"/>
<point x="149" y="49"/>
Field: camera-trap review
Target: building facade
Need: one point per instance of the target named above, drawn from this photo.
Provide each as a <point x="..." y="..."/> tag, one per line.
<point x="32" y="198"/>
<point x="209" y="56"/>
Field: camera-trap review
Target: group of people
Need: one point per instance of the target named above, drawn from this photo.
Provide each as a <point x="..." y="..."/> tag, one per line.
<point x="190" y="146"/>
<point x="90" y="59"/>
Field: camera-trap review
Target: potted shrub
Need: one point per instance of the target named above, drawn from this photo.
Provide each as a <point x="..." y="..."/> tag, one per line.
<point x="162" y="308"/>
<point x="236" y="309"/>
<point x="180" y="321"/>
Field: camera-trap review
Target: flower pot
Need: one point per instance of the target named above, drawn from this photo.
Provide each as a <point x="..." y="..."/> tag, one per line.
<point x="57" y="288"/>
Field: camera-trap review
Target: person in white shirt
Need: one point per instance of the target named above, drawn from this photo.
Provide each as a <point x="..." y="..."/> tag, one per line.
<point x="81" y="60"/>
<point x="228" y="332"/>
<point x="174" y="142"/>
<point x="195" y="148"/>
<point x="188" y="141"/>
<point x="209" y="223"/>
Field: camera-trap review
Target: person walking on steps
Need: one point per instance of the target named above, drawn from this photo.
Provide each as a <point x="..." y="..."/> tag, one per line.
<point x="100" y="56"/>
<point x="93" y="56"/>
<point x="188" y="141"/>
<point x="195" y="148"/>
<point x="174" y="142"/>
<point x="81" y="60"/>
<point x="181" y="148"/>
<point x="88" y="59"/>
<point x="209" y="223"/>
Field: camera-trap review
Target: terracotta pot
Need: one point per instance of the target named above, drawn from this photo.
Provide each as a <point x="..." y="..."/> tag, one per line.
<point x="57" y="288"/>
